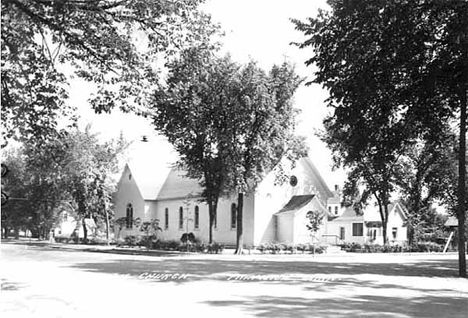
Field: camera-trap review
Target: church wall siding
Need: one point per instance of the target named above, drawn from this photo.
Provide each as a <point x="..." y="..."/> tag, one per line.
<point x="221" y="234"/>
<point x="128" y="193"/>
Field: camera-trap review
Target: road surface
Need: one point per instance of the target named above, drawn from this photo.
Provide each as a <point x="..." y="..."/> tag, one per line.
<point x="40" y="281"/>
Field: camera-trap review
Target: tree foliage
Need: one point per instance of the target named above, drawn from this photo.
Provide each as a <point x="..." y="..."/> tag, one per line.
<point x="395" y="71"/>
<point x="230" y="123"/>
<point x="73" y="171"/>
<point x="89" y="169"/>
<point x="112" y="43"/>
<point x="258" y="129"/>
<point x="187" y="110"/>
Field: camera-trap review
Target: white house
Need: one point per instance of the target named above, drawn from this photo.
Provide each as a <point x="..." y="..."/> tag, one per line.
<point x="274" y="213"/>
<point x="334" y="203"/>
<point x="367" y="228"/>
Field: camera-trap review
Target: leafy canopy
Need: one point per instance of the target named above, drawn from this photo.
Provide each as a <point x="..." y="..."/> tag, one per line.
<point x="112" y="43"/>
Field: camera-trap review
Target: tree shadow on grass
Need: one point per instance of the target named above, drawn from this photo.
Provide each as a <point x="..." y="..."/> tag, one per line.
<point x="362" y="306"/>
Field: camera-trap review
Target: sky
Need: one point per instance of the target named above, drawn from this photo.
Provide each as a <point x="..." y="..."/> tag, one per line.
<point x="254" y="29"/>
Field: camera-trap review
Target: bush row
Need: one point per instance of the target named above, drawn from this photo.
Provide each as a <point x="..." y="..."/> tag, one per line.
<point x="374" y="248"/>
<point x="276" y="248"/>
<point x="152" y="242"/>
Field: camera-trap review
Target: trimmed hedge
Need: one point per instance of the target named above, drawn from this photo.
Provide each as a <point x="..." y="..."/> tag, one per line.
<point x="277" y="248"/>
<point x="375" y="248"/>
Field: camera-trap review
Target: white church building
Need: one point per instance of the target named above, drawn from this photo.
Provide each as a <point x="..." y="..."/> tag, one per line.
<point x="274" y="213"/>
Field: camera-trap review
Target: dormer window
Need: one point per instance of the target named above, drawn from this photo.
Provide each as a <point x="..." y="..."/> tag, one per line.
<point x="129" y="176"/>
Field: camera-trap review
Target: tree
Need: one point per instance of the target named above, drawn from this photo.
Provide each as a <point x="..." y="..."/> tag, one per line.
<point x="427" y="173"/>
<point x="74" y="168"/>
<point x="14" y="212"/>
<point x="315" y="220"/>
<point x="187" y="109"/>
<point x="35" y="187"/>
<point x="112" y="43"/>
<point x="387" y="64"/>
<point x="229" y="123"/>
<point x="257" y="129"/>
<point x="89" y="167"/>
<point x="147" y="227"/>
<point x="125" y="221"/>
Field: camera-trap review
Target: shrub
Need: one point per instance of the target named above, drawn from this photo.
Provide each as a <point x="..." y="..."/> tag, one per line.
<point x="148" y="241"/>
<point x="97" y="241"/>
<point x="188" y="237"/>
<point x="167" y="245"/>
<point x="427" y="247"/>
<point x="291" y="248"/>
<point x="320" y="249"/>
<point x="131" y="240"/>
<point x="262" y="248"/>
<point x="215" y="248"/>
<point x="302" y="247"/>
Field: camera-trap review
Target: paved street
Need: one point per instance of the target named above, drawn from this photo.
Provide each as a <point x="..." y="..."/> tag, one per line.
<point x="40" y="281"/>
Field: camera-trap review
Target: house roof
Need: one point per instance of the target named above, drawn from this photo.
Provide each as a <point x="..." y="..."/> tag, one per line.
<point x="296" y="203"/>
<point x="350" y="214"/>
<point x="334" y="200"/>
<point x="162" y="181"/>
<point x="371" y="214"/>
<point x="177" y="185"/>
<point x="149" y="178"/>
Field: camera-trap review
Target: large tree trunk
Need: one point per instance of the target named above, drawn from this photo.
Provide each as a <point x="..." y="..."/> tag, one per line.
<point x="85" y="231"/>
<point x="384" y="232"/>
<point x="107" y="227"/>
<point x="383" y="210"/>
<point x="240" y="229"/>
<point x="211" y="221"/>
<point x="462" y="186"/>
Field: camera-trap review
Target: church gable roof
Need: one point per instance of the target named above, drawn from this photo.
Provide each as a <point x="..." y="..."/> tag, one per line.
<point x="149" y="180"/>
<point x="177" y="186"/>
<point x="296" y="203"/>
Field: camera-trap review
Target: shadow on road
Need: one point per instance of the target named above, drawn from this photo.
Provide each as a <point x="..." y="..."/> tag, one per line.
<point x="362" y="306"/>
<point x="200" y="269"/>
<point x="382" y="299"/>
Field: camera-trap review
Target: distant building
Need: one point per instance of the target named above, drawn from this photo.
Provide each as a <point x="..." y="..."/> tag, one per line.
<point x="366" y="228"/>
<point x="334" y="203"/>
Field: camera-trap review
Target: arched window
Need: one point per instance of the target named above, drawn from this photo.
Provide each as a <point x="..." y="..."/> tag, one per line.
<point x="181" y="218"/>
<point x="233" y="216"/>
<point x="197" y="217"/>
<point x="129" y="216"/>
<point x="166" y="218"/>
